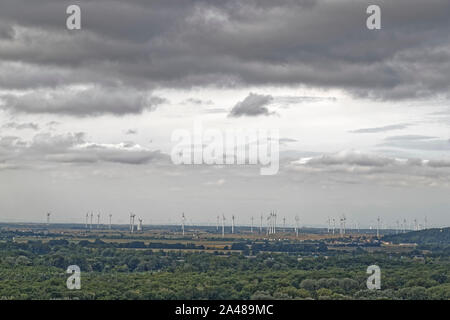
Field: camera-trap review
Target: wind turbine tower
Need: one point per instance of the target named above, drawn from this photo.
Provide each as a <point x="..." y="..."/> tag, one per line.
<point x="92" y="218"/>
<point x="260" y="224"/>
<point x="110" y="217"/>
<point x="232" y="223"/>
<point x="251" y="229"/>
<point x="48" y="218"/>
<point x="132" y="215"/>
<point x="344" y="220"/>
<point x="98" y="220"/>
<point x="183" y="219"/>
<point x="296" y="225"/>
<point x="140" y="228"/>
<point x="223" y="226"/>
<point x="275" y="222"/>
<point x="378" y="227"/>
<point x="217" y="223"/>
<point x="87" y="220"/>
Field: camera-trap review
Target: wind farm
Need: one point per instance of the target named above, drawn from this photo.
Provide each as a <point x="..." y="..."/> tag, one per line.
<point x="225" y="231"/>
<point x="184" y="254"/>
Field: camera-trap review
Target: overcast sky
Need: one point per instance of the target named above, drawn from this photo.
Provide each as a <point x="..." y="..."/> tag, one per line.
<point x="86" y="116"/>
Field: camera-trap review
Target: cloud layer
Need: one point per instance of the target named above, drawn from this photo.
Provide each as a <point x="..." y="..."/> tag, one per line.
<point x="141" y="45"/>
<point x="253" y="105"/>
<point x="352" y="167"/>
<point x="71" y="148"/>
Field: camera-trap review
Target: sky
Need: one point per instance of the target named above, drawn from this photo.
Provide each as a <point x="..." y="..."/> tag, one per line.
<point x="87" y="116"/>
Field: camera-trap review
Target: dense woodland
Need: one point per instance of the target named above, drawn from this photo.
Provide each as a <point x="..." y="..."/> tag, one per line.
<point x="37" y="270"/>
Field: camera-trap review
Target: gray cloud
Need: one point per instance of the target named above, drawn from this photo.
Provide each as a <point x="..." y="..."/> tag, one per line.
<point x="197" y="101"/>
<point x="73" y="148"/>
<point x="357" y="167"/>
<point x="131" y="131"/>
<point x="381" y="129"/>
<point x="409" y="137"/>
<point x="187" y="43"/>
<point x="253" y="105"/>
<point x="286" y="140"/>
<point x="350" y="158"/>
<point x="21" y="126"/>
<point x="302" y="99"/>
<point x="91" y="101"/>
<point x="417" y="142"/>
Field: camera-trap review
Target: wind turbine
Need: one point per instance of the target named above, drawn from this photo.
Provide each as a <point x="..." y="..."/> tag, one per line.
<point x="132" y="215"/>
<point x="297" y="219"/>
<point x="334" y="224"/>
<point x="92" y="217"/>
<point x="87" y="220"/>
<point x="378" y="227"/>
<point x="272" y="222"/>
<point x="183" y="219"/>
<point x="344" y="219"/>
<point x="48" y="218"/>
<point x="140" y="229"/>
<point x="275" y="223"/>
<point x="98" y="220"/>
<point x="260" y="224"/>
<point x="223" y="225"/>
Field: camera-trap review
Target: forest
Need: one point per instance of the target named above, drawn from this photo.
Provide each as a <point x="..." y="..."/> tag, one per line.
<point x="37" y="270"/>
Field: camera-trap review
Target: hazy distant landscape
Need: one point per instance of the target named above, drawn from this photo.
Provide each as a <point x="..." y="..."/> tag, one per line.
<point x="161" y="263"/>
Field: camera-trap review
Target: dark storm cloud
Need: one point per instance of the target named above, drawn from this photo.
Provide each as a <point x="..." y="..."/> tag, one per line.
<point x="381" y="129"/>
<point x="253" y="105"/>
<point x="185" y="43"/>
